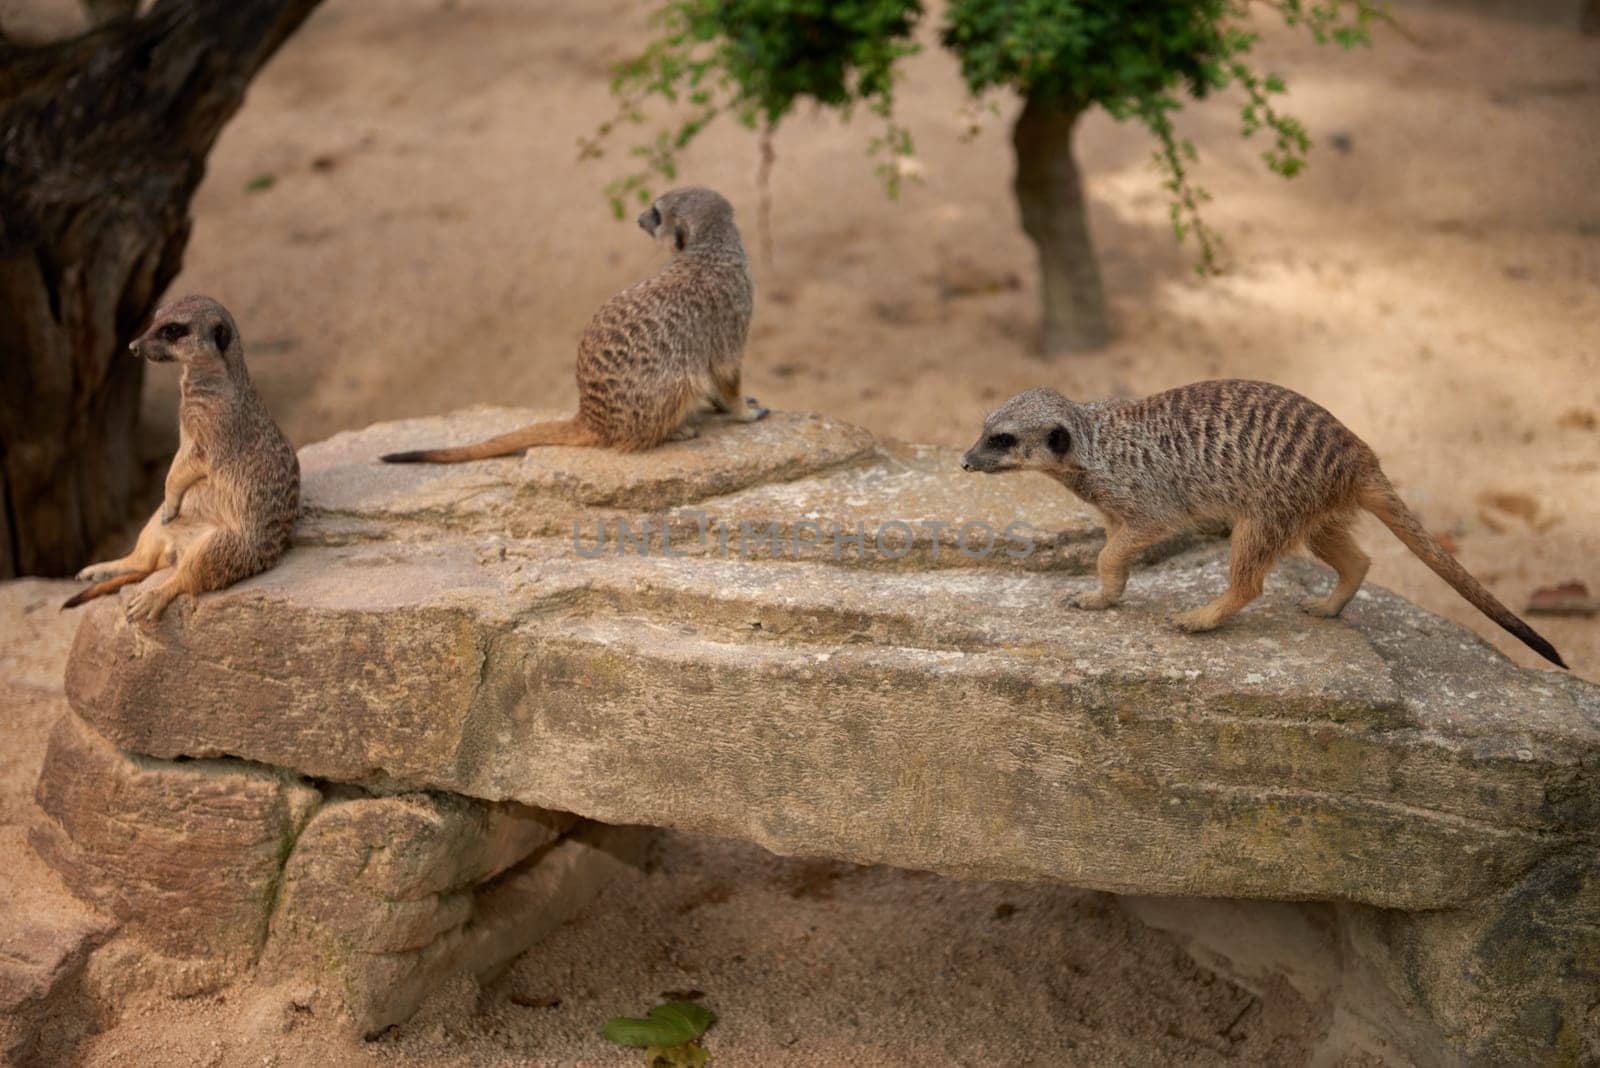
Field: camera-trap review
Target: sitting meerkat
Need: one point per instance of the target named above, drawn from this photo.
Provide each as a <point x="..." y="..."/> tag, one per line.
<point x="1277" y="466"/>
<point x="233" y="490"/>
<point x="658" y="347"/>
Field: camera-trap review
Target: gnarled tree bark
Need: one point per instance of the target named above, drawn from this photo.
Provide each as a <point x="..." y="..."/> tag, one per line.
<point x="103" y="140"/>
<point x="1050" y="196"/>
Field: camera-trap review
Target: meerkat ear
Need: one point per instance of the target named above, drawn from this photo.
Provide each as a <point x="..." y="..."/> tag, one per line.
<point x="222" y="336"/>
<point x="1059" y="440"/>
<point x="679" y="236"/>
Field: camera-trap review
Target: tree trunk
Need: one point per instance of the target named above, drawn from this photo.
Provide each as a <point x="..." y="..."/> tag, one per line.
<point x="103" y="140"/>
<point x="1050" y="197"/>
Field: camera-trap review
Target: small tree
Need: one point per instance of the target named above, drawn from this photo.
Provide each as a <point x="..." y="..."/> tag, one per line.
<point x="103" y="140"/>
<point x="1134" y="58"/>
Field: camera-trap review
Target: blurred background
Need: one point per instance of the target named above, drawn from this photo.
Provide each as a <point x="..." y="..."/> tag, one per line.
<point x="400" y="222"/>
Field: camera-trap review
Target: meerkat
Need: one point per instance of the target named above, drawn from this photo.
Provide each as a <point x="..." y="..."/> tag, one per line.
<point x="1278" y="467"/>
<point x="656" y="349"/>
<point x="233" y="491"/>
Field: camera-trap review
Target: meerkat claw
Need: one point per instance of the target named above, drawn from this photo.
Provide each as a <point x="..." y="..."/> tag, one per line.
<point x="1196" y="622"/>
<point x="1094" y="601"/>
<point x="1319" y="607"/>
<point x="145" y="606"/>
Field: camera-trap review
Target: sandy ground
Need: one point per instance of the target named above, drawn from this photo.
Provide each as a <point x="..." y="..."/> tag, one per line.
<point x="430" y="241"/>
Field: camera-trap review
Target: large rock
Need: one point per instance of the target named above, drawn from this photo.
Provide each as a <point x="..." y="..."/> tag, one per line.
<point x="810" y="650"/>
<point x="386" y="897"/>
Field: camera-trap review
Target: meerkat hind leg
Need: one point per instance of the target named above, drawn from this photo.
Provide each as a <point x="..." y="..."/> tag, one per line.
<point x="1255" y="547"/>
<point x="1334" y="545"/>
<point x="727" y="400"/>
<point x="146" y="556"/>
<point x="1123" y="542"/>
<point x="215" y="559"/>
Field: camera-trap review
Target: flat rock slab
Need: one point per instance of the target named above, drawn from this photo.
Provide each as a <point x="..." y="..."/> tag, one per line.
<point x="490" y="629"/>
<point x="958" y="719"/>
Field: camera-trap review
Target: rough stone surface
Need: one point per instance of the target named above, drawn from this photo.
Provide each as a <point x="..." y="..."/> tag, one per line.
<point x="188" y="856"/>
<point x="385" y="898"/>
<point x="46" y="935"/>
<point x="443" y="629"/>
<point x="211" y="871"/>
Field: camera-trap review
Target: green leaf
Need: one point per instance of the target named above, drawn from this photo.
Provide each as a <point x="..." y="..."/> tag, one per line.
<point x="260" y="183"/>
<point x="688" y="1055"/>
<point x="671" y="1024"/>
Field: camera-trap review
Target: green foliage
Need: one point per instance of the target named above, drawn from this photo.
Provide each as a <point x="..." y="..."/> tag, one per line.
<point x="758" y="59"/>
<point x="1138" y="59"/>
<point x="668" y="1033"/>
<point x="1135" y="58"/>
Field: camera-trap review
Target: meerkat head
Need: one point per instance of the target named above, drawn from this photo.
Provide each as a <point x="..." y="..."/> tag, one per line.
<point x="196" y="331"/>
<point x="1032" y="431"/>
<point x="683" y="218"/>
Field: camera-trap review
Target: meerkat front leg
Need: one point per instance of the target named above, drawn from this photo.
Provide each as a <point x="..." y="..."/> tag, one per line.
<point x="187" y="469"/>
<point x="1124" y="541"/>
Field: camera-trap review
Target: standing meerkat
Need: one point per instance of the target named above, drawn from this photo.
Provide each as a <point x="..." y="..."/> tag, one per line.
<point x="1277" y="466"/>
<point x="656" y="349"/>
<point x="233" y="490"/>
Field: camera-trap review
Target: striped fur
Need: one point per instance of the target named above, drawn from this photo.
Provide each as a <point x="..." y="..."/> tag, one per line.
<point x="1276" y="467"/>
<point x="658" y="348"/>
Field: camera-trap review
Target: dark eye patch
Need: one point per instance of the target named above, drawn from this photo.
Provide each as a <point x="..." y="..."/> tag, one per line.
<point x="1001" y="442"/>
<point x="174" y="331"/>
<point x="1059" y="440"/>
<point x="222" y="336"/>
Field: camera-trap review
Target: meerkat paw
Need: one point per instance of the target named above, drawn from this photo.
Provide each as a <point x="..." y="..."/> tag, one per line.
<point x="147" y="605"/>
<point x="1095" y="601"/>
<point x="1194" y="622"/>
<point x="101" y="572"/>
<point x="1321" y="607"/>
<point x="169" y="512"/>
<point x="684" y="432"/>
<point x="753" y="411"/>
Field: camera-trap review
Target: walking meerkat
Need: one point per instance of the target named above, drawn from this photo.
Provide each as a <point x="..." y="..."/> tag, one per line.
<point x="233" y="490"/>
<point x="656" y="349"/>
<point x="1277" y="466"/>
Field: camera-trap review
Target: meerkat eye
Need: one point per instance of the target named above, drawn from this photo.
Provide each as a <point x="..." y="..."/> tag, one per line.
<point x="655" y="215"/>
<point x="1002" y="442"/>
<point x="1059" y="440"/>
<point x="174" y="332"/>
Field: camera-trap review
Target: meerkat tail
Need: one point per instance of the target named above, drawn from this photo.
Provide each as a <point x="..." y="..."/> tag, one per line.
<point x="100" y="589"/>
<point x="1381" y="500"/>
<point x="557" y="432"/>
